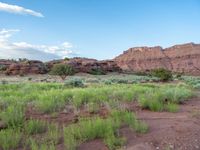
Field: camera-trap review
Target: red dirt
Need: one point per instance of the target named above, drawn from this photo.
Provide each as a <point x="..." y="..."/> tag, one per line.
<point x="65" y="118"/>
<point x="93" y="145"/>
<point x="177" y="131"/>
<point x="167" y="131"/>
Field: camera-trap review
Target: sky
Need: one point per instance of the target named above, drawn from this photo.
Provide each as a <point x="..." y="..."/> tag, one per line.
<point x="100" y="29"/>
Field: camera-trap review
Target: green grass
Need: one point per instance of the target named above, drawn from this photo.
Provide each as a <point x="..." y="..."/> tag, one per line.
<point x="106" y="129"/>
<point x="51" y="99"/>
<point x="9" y="139"/>
<point x="53" y="134"/>
<point x="35" y="127"/>
<point x="44" y="146"/>
<point x="168" y="97"/>
<point x="13" y="115"/>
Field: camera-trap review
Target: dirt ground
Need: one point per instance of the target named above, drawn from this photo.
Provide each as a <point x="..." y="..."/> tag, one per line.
<point x="167" y="131"/>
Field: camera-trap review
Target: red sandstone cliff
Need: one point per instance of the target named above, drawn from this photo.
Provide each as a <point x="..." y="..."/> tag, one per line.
<point x="179" y="58"/>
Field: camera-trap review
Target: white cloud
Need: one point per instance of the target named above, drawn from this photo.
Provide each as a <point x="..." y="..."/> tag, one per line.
<point x="15" y="50"/>
<point x="18" y="10"/>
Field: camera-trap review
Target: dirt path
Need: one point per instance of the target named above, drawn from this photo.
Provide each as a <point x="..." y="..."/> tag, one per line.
<point x="168" y="131"/>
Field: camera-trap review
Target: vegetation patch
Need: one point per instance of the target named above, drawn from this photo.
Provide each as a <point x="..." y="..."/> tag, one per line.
<point x="106" y="129"/>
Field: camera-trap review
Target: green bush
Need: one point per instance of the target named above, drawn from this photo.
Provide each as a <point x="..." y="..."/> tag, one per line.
<point x="163" y="74"/>
<point x="74" y="82"/>
<point x="3" y="68"/>
<point x="97" y="71"/>
<point x="62" y="70"/>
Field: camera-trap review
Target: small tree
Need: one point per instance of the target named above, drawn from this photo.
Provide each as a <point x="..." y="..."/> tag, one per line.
<point x="163" y="74"/>
<point x="62" y="70"/>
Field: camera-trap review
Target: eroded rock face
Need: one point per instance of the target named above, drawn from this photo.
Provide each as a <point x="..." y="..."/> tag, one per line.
<point x="27" y="67"/>
<point x="179" y="58"/>
<point x="86" y="65"/>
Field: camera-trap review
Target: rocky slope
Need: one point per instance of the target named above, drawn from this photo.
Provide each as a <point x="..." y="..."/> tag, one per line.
<point x="84" y="65"/>
<point x="183" y="58"/>
<point x="21" y="68"/>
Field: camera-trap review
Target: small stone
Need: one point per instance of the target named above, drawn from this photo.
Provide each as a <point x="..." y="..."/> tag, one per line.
<point x="197" y="147"/>
<point x="171" y="146"/>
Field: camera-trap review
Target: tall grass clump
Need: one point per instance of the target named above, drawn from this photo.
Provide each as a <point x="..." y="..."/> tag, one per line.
<point x="53" y="134"/>
<point x="106" y="129"/>
<point x="10" y="139"/>
<point x="13" y="116"/>
<point x="34" y="145"/>
<point x="35" y="126"/>
<point x="165" y="97"/>
<point x="91" y="129"/>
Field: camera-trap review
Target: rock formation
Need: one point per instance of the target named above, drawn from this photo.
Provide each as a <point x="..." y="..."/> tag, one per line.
<point x="86" y="65"/>
<point x="26" y="67"/>
<point x="179" y="58"/>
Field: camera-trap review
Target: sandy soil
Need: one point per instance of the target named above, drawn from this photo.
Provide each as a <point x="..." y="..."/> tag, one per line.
<point x="168" y="131"/>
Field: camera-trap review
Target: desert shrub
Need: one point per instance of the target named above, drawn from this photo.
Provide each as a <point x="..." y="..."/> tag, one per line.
<point x="3" y="68"/>
<point x="163" y="74"/>
<point x="108" y="82"/>
<point x="4" y="82"/>
<point x="9" y="139"/>
<point x="92" y="80"/>
<point x="62" y="70"/>
<point x="191" y="80"/>
<point x="197" y="86"/>
<point x="35" y="126"/>
<point x="66" y="59"/>
<point x="13" y="116"/>
<point x="74" y="82"/>
<point x="178" y="75"/>
<point x="141" y="73"/>
<point x="97" y="71"/>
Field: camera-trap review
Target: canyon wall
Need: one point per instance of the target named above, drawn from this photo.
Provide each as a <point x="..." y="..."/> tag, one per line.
<point x="183" y="58"/>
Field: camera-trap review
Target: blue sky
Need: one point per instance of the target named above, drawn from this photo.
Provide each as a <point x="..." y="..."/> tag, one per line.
<point x="100" y="29"/>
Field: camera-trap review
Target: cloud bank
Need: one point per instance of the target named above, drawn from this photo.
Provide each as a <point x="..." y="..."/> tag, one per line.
<point x="18" y="10"/>
<point x="15" y="50"/>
